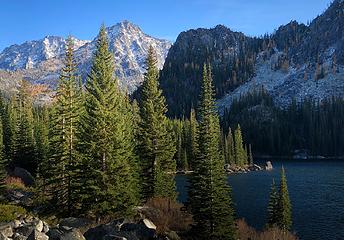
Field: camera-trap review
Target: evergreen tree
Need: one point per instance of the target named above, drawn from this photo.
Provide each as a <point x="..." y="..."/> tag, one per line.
<point x="106" y="140"/>
<point x="42" y="139"/>
<point x="2" y="161"/>
<point x="209" y="193"/>
<point x="192" y="139"/>
<point x="273" y="206"/>
<point x="250" y="155"/>
<point x="7" y="133"/>
<point x="64" y="159"/>
<point x="240" y="152"/>
<point x="229" y="148"/>
<point x="284" y="205"/>
<point x="24" y="148"/>
<point x="156" y="145"/>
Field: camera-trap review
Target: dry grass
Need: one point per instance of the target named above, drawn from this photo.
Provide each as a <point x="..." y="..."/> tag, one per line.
<point x="246" y="232"/>
<point x="14" y="182"/>
<point x="167" y="215"/>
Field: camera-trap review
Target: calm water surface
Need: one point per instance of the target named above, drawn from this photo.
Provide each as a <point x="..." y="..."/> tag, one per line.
<point x="316" y="189"/>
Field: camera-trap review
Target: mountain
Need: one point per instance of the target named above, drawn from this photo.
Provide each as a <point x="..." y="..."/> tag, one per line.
<point x="297" y="61"/>
<point x="30" y="54"/>
<point x="302" y="62"/>
<point x="40" y="61"/>
<point x="231" y="55"/>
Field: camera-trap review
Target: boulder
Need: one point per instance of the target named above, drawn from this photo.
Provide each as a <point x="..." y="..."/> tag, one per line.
<point x="45" y="228"/>
<point x="3" y="237"/>
<point x="38" y="225"/>
<point x="6" y="230"/>
<point x="149" y="224"/>
<point x="73" y="234"/>
<point x="19" y="237"/>
<point x="75" y="222"/>
<point x="37" y="235"/>
<point x="25" y="230"/>
<point x="122" y="229"/>
<point x="268" y="166"/>
<point x="54" y="233"/>
<point x="24" y="175"/>
<point x="140" y="230"/>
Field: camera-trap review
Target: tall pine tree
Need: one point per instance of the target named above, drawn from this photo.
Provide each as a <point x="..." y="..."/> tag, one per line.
<point x="105" y="140"/>
<point x="156" y="146"/>
<point x="240" y="152"/>
<point x="24" y="146"/>
<point x="273" y="206"/>
<point x="2" y="161"/>
<point x="229" y="148"/>
<point x="284" y="205"/>
<point x="209" y="193"/>
<point x="64" y="160"/>
<point x="192" y="139"/>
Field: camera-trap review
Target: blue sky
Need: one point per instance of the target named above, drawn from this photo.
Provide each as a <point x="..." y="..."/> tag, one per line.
<point x="22" y="20"/>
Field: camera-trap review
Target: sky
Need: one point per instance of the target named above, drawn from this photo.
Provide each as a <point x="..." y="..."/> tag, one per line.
<point x="22" y="20"/>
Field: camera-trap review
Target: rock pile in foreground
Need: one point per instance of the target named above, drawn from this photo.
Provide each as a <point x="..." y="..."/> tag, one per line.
<point x="32" y="228"/>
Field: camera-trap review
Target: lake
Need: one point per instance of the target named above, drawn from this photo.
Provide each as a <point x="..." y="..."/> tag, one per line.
<point x="316" y="189"/>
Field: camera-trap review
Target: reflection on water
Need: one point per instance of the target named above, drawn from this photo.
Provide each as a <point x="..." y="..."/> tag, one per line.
<point x="316" y="190"/>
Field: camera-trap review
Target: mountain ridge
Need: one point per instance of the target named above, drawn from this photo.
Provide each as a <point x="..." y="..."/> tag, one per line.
<point x="296" y="61"/>
<point x="39" y="61"/>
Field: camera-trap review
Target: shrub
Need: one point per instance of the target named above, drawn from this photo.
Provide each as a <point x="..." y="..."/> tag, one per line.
<point x="246" y="232"/>
<point x="14" y="182"/>
<point x="10" y="212"/>
<point x="167" y="215"/>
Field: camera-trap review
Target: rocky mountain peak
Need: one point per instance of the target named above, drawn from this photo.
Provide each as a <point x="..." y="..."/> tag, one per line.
<point x="40" y="61"/>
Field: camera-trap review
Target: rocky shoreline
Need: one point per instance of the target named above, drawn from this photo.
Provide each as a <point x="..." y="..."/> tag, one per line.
<point x="238" y="169"/>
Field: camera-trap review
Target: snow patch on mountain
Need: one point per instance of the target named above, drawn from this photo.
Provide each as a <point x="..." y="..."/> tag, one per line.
<point x="31" y="53"/>
<point x="40" y="61"/>
<point x="284" y="85"/>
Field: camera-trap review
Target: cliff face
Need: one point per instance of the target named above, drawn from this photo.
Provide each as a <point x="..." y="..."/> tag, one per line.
<point x="295" y="62"/>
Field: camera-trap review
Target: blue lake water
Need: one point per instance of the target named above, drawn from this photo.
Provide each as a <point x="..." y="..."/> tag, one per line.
<point x="316" y="189"/>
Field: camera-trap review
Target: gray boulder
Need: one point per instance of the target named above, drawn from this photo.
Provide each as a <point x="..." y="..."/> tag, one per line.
<point x="121" y="229"/>
<point x="75" y="222"/>
<point x="37" y="235"/>
<point x="54" y="233"/>
<point x="6" y="230"/>
<point x="74" y="234"/>
<point x="24" y="175"/>
<point x="2" y="237"/>
<point x="25" y="230"/>
<point x="268" y="166"/>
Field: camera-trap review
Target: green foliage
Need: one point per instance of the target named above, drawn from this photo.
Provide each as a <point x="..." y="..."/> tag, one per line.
<point x="106" y="141"/>
<point x="315" y="126"/>
<point x="209" y="193"/>
<point x="3" y="172"/>
<point x="156" y="148"/>
<point x="240" y="152"/>
<point x="24" y="145"/>
<point x="228" y="148"/>
<point x="279" y="208"/>
<point x="10" y="212"/>
<point x="273" y="206"/>
<point x="62" y="165"/>
<point x="192" y="139"/>
<point x="284" y="205"/>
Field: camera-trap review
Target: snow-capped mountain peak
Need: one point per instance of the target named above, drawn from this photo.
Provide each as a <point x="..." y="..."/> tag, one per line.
<point x="31" y="53"/>
<point x="40" y="60"/>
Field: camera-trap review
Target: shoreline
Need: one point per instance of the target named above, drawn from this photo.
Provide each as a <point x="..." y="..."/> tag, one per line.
<point x="299" y="157"/>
